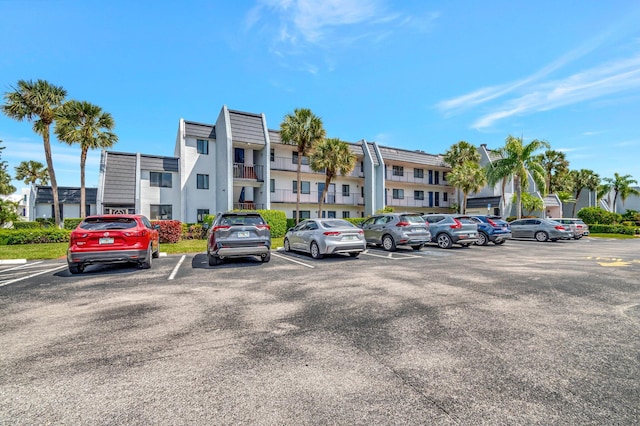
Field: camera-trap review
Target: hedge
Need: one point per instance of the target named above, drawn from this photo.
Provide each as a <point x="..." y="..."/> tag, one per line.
<point x="598" y="215"/>
<point x="277" y="221"/>
<point x="26" y="225"/>
<point x="33" y="236"/>
<point x="170" y="230"/>
<point x="72" y="223"/>
<point x="613" y="229"/>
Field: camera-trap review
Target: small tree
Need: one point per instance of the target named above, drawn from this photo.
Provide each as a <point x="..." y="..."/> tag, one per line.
<point x="31" y="172"/>
<point x="531" y="203"/>
<point x="333" y="156"/>
<point x="468" y="177"/>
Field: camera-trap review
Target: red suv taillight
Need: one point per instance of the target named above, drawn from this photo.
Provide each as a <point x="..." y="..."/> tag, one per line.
<point x="457" y="225"/>
<point x="492" y="223"/>
<point x="219" y="227"/>
<point x="265" y="226"/>
<point x="403" y="224"/>
<point x="560" y="227"/>
<point x="140" y="233"/>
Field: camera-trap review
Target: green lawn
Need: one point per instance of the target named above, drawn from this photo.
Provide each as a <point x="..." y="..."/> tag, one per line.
<point x="59" y="250"/>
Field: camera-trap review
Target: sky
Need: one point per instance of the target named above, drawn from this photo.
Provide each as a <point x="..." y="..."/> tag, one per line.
<point x="412" y="74"/>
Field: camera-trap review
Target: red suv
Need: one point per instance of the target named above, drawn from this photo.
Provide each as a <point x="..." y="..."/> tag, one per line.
<point x="118" y="238"/>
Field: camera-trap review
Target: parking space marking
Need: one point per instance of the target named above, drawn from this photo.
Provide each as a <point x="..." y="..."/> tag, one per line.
<point x="613" y="261"/>
<point x="32" y="275"/>
<point x="23" y="266"/>
<point x="175" y="270"/>
<point x="391" y="255"/>
<point x="292" y="260"/>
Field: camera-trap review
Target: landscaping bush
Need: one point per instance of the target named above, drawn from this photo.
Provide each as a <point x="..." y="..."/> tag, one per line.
<point x="208" y="219"/>
<point x="33" y="236"/>
<point x="72" y="223"/>
<point x="26" y="225"/>
<point x="277" y="221"/>
<point x="290" y="223"/>
<point x="170" y="230"/>
<point x="613" y="229"/>
<point x="632" y="216"/>
<point x="193" y="231"/>
<point x="46" y="222"/>
<point x="355" y="220"/>
<point x="593" y="215"/>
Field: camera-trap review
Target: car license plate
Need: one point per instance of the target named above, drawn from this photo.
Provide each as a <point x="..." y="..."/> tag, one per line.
<point x="472" y="235"/>
<point x="243" y="234"/>
<point x="349" y="237"/>
<point x="106" y="241"/>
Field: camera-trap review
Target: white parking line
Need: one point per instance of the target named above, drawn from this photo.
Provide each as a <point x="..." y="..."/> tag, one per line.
<point x="32" y="275"/>
<point x="175" y="270"/>
<point x="22" y="266"/>
<point x="292" y="260"/>
<point x="398" y="256"/>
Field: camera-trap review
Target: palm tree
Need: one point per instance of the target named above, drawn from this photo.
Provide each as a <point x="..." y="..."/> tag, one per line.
<point x="467" y="177"/>
<point x="31" y="172"/>
<point x="333" y="156"/>
<point x="581" y="179"/>
<point x="6" y="187"/>
<point x="37" y="102"/>
<point x="518" y="160"/>
<point x="303" y="129"/>
<point x="458" y="154"/>
<point x="556" y="167"/>
<point x="85" y="124"/>
<point x="622" y="186"/>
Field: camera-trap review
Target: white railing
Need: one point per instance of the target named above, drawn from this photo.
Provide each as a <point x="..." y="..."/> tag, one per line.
<point x="288" y="196"/>
<point x="415" y="202"/>
<point x="287" y="163"/>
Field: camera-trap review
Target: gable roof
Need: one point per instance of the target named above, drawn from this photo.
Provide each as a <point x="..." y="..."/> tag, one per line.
<point x="199" y="130"/>
<point x="406" y="156"/>
<point x="247" y="127"/>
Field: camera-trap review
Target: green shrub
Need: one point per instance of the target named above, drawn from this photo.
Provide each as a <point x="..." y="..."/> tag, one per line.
<point x="277" y="221"/>
<point x="46" y="222"/>
<point x="632" y="216"/>
<point x="614" y="229"/>
<point x="170" y="230"/>
<point x="72" y="223"/>
<point x="193" y="231"/>
<point x="33" y="236"/>
<point x="355" y="220"/>
<point x="593" y="215"/>
<point x="290" y="223"/>
<point x="208" y="219"/>
<point x="26" y="225"/>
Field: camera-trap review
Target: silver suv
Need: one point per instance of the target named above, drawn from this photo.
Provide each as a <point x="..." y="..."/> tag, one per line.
<point x="577" y="226"/>
<point x="238" y="234"/>
<point x="448" y="229"/>
<point x="394" y="229"/>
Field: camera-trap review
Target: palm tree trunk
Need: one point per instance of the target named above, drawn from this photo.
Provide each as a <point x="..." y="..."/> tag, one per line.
<point x="52" y="177"/>
<point x="503" y="199"/>
<point x="83" y="197"/>
<point x="324" y="194"/>
<point x="519" y="193"/>
<point x="573" y="212"/>
<point x="615" y="200"/>
<point x="299" y="189"/>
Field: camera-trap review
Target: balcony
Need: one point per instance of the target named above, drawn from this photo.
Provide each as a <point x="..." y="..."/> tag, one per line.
<point x="243" y="171"/>
<point x="248" y="205"/>
<point x="286" y="163"/>
<point x="288" y="196"/>
<point x="415" y="202"/>
<point x="409" y="177"/>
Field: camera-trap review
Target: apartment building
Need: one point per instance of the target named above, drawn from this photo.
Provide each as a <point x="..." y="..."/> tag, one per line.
<point x="239" y="163"/>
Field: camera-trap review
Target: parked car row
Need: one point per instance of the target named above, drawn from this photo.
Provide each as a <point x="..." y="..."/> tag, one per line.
<point x="133" y="239"/>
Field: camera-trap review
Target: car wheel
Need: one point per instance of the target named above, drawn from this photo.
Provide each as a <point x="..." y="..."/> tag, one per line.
<point x="577" y="238"/>
<point x="156" y="254"/>
<point x="388" y="243"/>
<point x="418" y="247"/>
<point x="315" y="251"/>
<point x="498" y="242"/>
<point x="354" y="254"/>
<point x="287" y="245"/>
<point x="541" y="236"/>
<point x="75" y="268"/>
<point x="444" y="241"/>
<point x="146" y="263"/>
<point x="483" y="239"/>
<point x="214" y="260"/>
<point x="266" y="257"/>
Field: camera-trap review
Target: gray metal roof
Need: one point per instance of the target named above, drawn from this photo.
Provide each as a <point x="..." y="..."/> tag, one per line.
<point x="158" y="163"/>
<point x="372" y="151"/>
<point x="247" y="127"/>
<point x="274" y="136"/>
<point x="406" y="156"/>
<point x="199" y="130"/>
<point x="66" y="195"/>
<point x="119" y="178"/>
<point x="551" y="201"/>
<point x="483" y="202"/>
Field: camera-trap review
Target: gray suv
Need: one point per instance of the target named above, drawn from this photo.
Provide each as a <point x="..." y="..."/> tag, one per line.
<point x="449" y="229"/>
<point x="238" y="234"/>
<point x="394" y="229"/>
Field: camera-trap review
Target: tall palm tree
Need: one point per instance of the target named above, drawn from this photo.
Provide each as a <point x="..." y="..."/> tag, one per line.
<point x="467" y="177"/>
<point x="31" y="172"/>
<point x="622" y="187"/>
<point x="458" y="154"/>
<point x="304" y="129"/>
<point x="333" y="156"/>
<point x="518" y="160"/>
<point x="87" y="125"/>
<point x="37" y="102"/>
<point x="581" y="179"/>
<point x="556" y="167"/>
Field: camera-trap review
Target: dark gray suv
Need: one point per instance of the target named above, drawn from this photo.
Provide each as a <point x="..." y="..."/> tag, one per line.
<point x="394" y="229"/>
<point x="448" y="229"/>
<point x="238" y="234"/>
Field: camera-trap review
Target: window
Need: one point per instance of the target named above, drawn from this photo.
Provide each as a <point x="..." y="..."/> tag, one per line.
<point x="430" y="198"/>
<point x="159" y="179"/>
<point x="161" y="211"/>
<point x="445" y="196"/>
<point x="398" y="194"/>
<point x="294" y="158"/>
<point x="331" y="214"/>
<point x="203" y="181"/>
<point x="418" y="173"/>
<point x="345" y="215"/>
<point x="437" y="177"/>
<point x="201" y="214"/>
<point x="430" y="177"/>
<point x="24" y="198"/>
<point x="238" y="155"/>
<point x="203" y="147"/>
<point x="437" y="198"/>
<point x="305" y="187"/>
<point x="444" y="177"/>
<point x="362" y="167"/>
<point x="362" y="191"/>
<point x="398" y="170"/>
<point x="304" y="214"/>
<point x="272" y="185"/>
<point x="418" y="195"/>
<point x="272" y="155"/>
<point x="345" y="190"/>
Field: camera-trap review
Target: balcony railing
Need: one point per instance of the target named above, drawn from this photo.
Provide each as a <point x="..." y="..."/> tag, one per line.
<point x="287" y="196"/>
<point x="410" y="178"/>
<point x="415" y="202"/>
<point x="286" y="163"/>
<point x="248" y="205"/>
<point x="242" y="171"/>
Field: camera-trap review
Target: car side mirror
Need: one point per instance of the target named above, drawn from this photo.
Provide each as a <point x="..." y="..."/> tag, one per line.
<point x="156" y="226"/>
<point x="205" y="225"/>
<point x="290" y="229"/>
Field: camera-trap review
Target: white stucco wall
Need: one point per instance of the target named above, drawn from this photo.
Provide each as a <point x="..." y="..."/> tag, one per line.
<point x="156" y="195"/>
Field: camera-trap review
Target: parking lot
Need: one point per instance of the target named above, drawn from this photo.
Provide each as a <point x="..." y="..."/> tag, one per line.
<point x="523" y="333"/>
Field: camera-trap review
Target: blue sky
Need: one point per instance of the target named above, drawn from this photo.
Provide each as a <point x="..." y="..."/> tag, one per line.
<point x="408" y="74"/>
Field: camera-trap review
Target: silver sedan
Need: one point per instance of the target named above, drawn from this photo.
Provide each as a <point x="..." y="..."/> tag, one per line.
<point x="540" y="229"/>
<point x="325" y="236"/>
